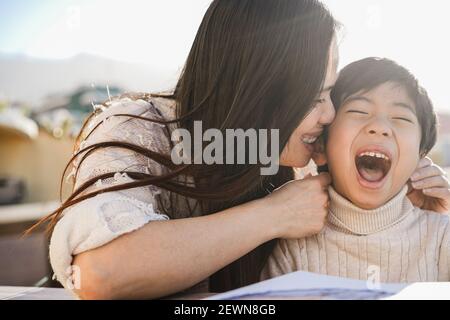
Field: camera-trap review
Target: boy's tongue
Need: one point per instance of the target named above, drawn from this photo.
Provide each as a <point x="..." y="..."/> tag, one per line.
<point x="371" y="174"/>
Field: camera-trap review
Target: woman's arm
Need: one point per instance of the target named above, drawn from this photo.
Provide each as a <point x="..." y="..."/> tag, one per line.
<point x="165" y="257"/>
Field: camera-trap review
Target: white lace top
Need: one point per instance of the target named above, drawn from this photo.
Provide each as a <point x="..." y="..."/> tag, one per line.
<point x="96" y="221"/>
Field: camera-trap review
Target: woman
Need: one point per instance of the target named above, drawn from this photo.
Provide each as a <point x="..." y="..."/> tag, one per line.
<point x="138" y="226"/>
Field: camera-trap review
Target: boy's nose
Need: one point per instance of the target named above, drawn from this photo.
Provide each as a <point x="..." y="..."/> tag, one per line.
<point x="379" y="127"/>
<point x="375" y="132"/>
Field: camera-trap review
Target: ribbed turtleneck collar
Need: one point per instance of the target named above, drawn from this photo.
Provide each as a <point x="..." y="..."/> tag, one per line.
<point x="346" y="216"/>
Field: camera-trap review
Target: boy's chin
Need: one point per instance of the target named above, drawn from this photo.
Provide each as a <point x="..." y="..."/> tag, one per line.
<point x="369" y="199"/>
<point x="369" y="202"/>
<point x="374" y="199"/>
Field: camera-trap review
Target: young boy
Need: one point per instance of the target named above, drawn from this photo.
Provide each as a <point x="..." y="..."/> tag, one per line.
<point x="384" y="125"/>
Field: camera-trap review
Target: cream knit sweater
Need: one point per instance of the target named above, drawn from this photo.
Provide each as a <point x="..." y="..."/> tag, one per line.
<point x="394" y="243"/>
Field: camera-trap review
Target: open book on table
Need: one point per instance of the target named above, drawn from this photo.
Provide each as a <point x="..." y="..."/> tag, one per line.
<point x="305" y="285"/>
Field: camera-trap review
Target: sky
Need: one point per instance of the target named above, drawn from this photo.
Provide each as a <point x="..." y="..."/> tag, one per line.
<point x="159" y="33"/>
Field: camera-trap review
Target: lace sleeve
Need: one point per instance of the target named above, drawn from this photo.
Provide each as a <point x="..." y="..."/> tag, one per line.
<point x="96" y="221"/>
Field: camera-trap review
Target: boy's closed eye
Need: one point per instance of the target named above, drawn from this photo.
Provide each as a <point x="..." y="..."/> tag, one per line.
<point x="362" y="105"/>
<point x="403" y="117"/>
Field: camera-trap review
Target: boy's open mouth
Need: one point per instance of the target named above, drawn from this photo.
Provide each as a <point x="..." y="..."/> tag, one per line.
<point x="373" y="166"/>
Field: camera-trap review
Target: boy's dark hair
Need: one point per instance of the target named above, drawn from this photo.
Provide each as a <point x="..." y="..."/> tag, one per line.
<point x="367" y="74"/>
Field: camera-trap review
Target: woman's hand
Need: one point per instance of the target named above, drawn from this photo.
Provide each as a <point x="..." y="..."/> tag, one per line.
<point x="300" y="207"/>
<point x="429" y="188"/>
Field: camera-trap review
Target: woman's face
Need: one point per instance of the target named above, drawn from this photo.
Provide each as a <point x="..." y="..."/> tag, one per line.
<point x="300" y="146"/>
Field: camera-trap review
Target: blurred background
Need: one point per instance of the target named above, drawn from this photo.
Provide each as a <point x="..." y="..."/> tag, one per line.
<point x="59" y="58"/>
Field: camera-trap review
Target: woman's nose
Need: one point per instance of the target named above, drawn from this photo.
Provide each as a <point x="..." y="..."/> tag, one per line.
<point x="328" y="113"/>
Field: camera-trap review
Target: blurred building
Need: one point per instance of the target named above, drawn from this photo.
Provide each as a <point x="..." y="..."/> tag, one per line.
<point x="36" y="146"/>
<point x="441" y="152"/>
<point x="64" y="114"/>
<point x="34" y="150"/>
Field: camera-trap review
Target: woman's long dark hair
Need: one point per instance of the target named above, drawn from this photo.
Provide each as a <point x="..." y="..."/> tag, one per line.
<point x="254" y="64"/>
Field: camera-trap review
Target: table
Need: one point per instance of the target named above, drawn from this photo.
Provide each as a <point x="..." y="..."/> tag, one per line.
<point x="36" y="293"/>
<point x="33" y="293"/>
<point x="416" y="291"/>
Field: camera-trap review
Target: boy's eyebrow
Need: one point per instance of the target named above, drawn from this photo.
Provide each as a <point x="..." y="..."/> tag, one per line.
<point x="396" y="104"/>
<point x="405" y="105"/>
<point x="357" y="98"/>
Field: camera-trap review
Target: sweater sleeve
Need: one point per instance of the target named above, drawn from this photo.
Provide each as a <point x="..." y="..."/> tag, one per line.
<point x="279" y="262"/>
<point x="444" y="255"/>
<point x="98" y="220"/>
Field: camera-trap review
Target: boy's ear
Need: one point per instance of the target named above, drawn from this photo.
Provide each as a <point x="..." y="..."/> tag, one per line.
<point x="319" y="155"/>
<point x="319" y="159"/>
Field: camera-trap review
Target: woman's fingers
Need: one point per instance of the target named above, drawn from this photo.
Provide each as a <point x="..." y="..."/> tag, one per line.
<point x="325" y="180"/>
<point x="430" y="187"/>
<point x="431" y="182"/>
<point x="440" y="193"/>
<point x="426" y="172"/>
<point x="425" y="162"/>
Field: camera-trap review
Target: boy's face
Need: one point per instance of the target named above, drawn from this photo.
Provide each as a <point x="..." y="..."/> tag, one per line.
<point x="373" y="145"/>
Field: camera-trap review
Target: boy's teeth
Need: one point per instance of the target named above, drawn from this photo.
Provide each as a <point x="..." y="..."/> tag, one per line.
<point x="374" y="154"/>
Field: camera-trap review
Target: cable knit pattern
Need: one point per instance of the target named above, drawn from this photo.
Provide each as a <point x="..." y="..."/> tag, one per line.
<point x="394" y="243"/>
<point x="96" y="221"/>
